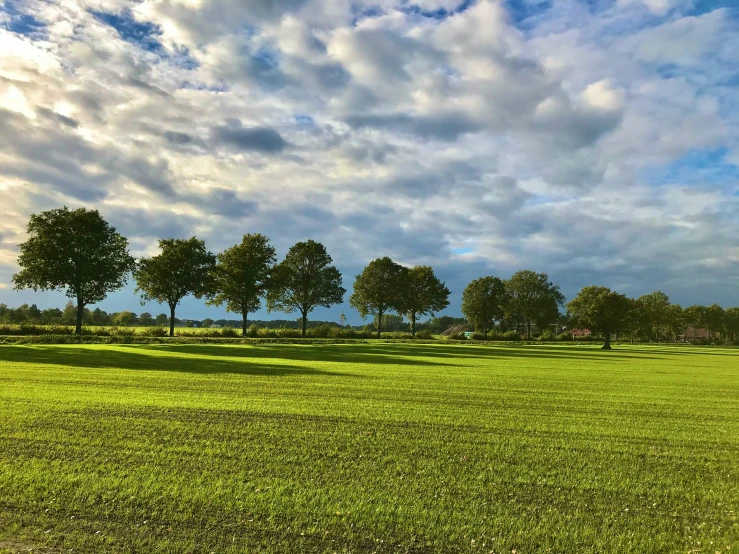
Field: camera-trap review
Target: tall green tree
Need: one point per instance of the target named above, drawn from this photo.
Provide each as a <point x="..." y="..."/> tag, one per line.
<point x="304" y="280"/>
<point x="655" y="310"/>
<point x="714" y="319"/>
<point x="146" y="319"/>
<point x="732" y="322"/>
<point x="184" y="267"/>
<point x="377" y="289"/>
<point x="675" y="321"/>
<point x="76" y="251"/>
<point x="421" y="293"/>
<point x="533" y="299"/>
<point x="601" y="310"/>
<point x="483" y="301"/>
<point x="241" y="277"/>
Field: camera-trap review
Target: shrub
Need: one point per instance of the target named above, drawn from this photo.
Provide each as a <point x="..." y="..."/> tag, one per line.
<point x="547" y="334"/>
<point x="480" y="336"/>
<point x="457" y="336"/>
<point x="426" y="334"/>
<point x="252" y="331"/>
<point x="288" y="333"/>
<point x="155" y="332"/>
<point x="121" y="332"/>
<point x="322" y="331"/>
<point x="228" y="332"/>
<point x="511" y="335"/>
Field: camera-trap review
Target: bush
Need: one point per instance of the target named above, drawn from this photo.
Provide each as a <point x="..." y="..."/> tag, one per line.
<point x="426" y="334"/>
<point x="511" y="335"/>
<point x="480" y="336"/>
<point x="121" y="332"/>
<point x="322" y="331"/>
<point x="287" y="333"/>
<point x="547" y="334"/>
<point x="229" y="332"/>
<point x="457" y="336"/>
<point x="252" y="331"/>
<point x="155" y="332"/>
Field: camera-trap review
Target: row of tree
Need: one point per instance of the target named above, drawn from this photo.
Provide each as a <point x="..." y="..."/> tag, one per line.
<point x="77" y="251"/>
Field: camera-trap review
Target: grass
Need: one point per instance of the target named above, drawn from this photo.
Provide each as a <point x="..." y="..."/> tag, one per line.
<point x="368" y="448"/>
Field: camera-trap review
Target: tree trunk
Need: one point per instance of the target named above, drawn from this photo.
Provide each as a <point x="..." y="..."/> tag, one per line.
<point x="80" y="311"/>
<point x="305" y="321"/>
<point x="171" y="320"/>
<point x="413" y="324"/>
<point x="379" y="324"/>
<point x="245" y="316"/>
<point x="528" y="330"/>
<point x="607" y="343"/>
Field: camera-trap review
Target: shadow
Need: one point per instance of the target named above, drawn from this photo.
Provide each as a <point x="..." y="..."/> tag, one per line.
<point x="400" y="354"/>
<point x="138" y="358"/>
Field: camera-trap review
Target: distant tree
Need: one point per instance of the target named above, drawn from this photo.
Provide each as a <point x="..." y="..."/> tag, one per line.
<point x="207" y="322"/>
<point x="124" y="319"/>
<point x="99" y="317"/>
<point x="715" y="319"/>
<point x="675" y="320"/>
<point x="694" y="317"/>
<point x="391" y="323"/>
<point x="69" y="315"/>
<point x="655" y="311"/>
<point x="76" y="251"/>
<point x="184" y="267"/>
<point x="161" y="320"/>
<point x="33" y="314"/>
<point x="377" y="289"/>
<point x="146" y="319"/>
<point x="421" y="293"/>
<point x="601" y="310"/>
<point x="533" y="299"/>
<point x="51" y="316"/>
<point x="732" y="322"/>
<point x="482" y="302"/>
<point x="241" y="276"/>
<point x="304" y="280"/>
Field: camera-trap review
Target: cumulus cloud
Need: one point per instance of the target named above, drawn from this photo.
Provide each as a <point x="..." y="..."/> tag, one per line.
<point x="597" y="144"/>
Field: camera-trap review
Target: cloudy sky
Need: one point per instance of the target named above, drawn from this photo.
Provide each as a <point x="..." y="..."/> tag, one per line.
<point x="596" y="141"/>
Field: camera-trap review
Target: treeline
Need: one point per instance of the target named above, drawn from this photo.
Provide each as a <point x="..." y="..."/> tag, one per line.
<point x="78" y="252"/>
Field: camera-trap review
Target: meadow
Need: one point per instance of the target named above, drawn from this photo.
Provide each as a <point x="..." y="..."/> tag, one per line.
<point x="375" y="447"/>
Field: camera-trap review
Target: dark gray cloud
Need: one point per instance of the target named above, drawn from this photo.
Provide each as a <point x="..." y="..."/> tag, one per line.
<point x="448" y="126"/>
<point x="257" y="139"/>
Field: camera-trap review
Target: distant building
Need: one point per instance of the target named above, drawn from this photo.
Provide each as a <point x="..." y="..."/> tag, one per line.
<point x="216" y="326"/>
<point x="691" y="333"/>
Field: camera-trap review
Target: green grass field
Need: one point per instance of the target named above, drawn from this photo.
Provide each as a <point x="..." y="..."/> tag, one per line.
<point x="369" y="448"/>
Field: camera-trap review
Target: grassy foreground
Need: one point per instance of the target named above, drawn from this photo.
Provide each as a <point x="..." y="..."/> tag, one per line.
<point x="368" y="448"/>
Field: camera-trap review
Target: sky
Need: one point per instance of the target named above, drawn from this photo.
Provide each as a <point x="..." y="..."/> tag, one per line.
<point x="596" y="141"/>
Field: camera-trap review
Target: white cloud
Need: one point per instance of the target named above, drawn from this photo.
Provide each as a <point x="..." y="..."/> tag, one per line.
<point x="464" y="141"/>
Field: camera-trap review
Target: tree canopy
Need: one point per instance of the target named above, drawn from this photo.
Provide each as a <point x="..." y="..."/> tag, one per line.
<point x="601" y="310"/>
<point x="241" y="276"/>
<point x="377" y="289"/>
<point x="76" y="251"/>
<point x="184" y="267"/>
<point x="421" y="293"/>
<point x="482" y="302"/>
<point x="533" y="299"/>
<point x="304" y="280"/>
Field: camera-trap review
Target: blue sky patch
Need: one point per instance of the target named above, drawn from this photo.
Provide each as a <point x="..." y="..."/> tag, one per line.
<point x="20" y="22"/>
<point x="697" y="167"/>
<point x="141" y="33"/>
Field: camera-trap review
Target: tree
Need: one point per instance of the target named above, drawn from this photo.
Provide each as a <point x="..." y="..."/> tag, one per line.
<point x="377" y="289"/>
<point x="241" y="276"/>
<point x="714" y="319"/>
<point x="184" y="267"/>
<point x="146" y="319"/>
<point x="732" y="322"/>
<point x="655" y="309"/>
<point x="675" y="318"/>
<point x="76" y="251"/>
<point x="694" y="317"/>
<point x="161" y="320"/>
<point x="304" y="280"/>
<point x="482" y="302"/>
<point x="421" y="293"/>
<point x="207" y="323"/>
<point x="124" y="319"/>
<point x="601" y="310"/>
<point x="532" y="298"/>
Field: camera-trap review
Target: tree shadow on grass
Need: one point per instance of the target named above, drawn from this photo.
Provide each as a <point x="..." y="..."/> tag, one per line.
<point x="144" y="359"/>
<point x="397" y="354"/>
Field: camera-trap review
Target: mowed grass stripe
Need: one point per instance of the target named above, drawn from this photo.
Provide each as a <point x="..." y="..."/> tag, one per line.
<point x="372" y="447"/>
